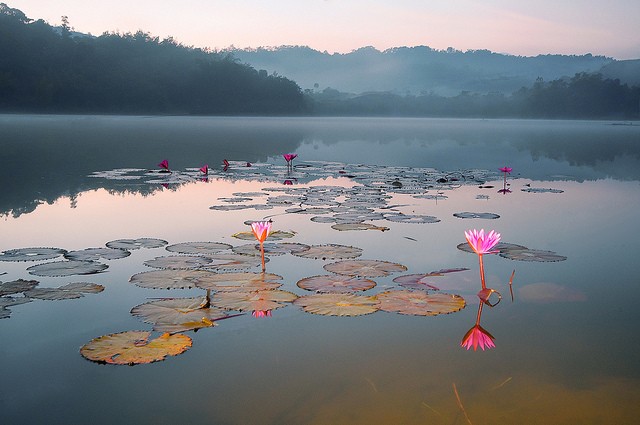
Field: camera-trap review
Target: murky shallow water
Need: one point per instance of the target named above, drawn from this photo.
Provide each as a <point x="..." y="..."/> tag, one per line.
<point x="566" y="350"/>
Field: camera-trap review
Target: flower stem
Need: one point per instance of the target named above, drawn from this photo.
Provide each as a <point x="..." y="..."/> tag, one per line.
<point x="484" y="284"/>
<point x="262" y="255"/>
<point x="479" y="313"/>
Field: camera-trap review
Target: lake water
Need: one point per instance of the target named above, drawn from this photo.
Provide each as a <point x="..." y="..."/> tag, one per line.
<point x="566" y="347"/>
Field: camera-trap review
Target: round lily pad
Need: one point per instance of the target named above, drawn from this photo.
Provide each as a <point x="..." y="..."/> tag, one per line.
<point x="407" y="218"/>
<point x="250" y="301"/>
<point x="178" y="314"/>
<point x="239" y="281"/>
<point x="271" y="248"/>
<point x="541" y="190"/>
<point x="66" y="292"/>
<point x="131" y="244"/>
<point x="358" y="226"/>
<point x="532" y="255"/>
<point x="227" y="262"/>
<point x="169" y="278"/>
<point x="93" y="254"/>
<point x="17" y="286"/>
<point x="335" y="283"/>
<point x="485" y="215"/>
<point x="276" y="235"/>
<point x="501" y="247"/>
<point x="330" y="252"/>
<point x="426" y="281"/>
<point x="364" y="268"/>
<point x="420" y="303"/>
<point x="31" y="254"/>
<point x="134" y="347"/>
<point x="67" y="268"/>
<point x="198" y="248"/>
<point x="178" y="262"/>
<point x="338" y="304"/>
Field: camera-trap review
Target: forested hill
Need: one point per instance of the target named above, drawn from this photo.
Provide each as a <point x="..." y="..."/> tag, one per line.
<point x="45" y="69"/>
<point x="416" y="70"/>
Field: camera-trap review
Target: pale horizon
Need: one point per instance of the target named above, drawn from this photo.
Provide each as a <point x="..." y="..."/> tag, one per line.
<point x="517" y="28"/>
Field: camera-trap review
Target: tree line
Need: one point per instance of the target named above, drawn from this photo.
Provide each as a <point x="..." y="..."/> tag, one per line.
<point x="50" y="69"/>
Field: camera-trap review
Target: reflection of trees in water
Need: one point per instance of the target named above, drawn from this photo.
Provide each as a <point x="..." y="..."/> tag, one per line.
<point x="47" y="157"/>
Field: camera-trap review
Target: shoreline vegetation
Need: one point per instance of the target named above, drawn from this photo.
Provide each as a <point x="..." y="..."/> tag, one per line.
<point x="47" y="69"/>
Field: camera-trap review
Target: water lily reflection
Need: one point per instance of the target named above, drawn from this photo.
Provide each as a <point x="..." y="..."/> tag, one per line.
<point x="261" y="313"/>
<point x="478" y="336"/>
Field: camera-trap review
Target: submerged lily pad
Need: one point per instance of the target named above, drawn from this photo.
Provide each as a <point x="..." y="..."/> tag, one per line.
<point x="330" y="252"/>
<point x="92" y="254"/>
<point x="6" y="302"/>
<point x="134" y="347"/>
<point x="335" y="283"/>
<point x="240" y="281"/>
<point x="338" y="304"/>
<point x="178" y="314"/>
<point x="169" y="278"/>
<point x="66" y="292"/>
<point x="178" y="262"/>
<point x="532" y="255"/>
<point x="427" y="281"/>
<point x="31" y="254"/>
<point x="198" y="248"/>
<point x="17" y="286"/>
<point x="67" y="268"/>
<point x="484" y="215"/>
<point x="364" y="268"/>
<point x="258" y="300"/>
<point x="420" y="303"/>
<point x="131" y="244"/>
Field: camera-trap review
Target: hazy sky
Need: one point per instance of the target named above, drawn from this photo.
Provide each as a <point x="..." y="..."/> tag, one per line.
<point x="609" y="28"/>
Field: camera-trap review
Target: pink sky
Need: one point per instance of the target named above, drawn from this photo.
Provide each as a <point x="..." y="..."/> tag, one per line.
<point x="516" y="27"/>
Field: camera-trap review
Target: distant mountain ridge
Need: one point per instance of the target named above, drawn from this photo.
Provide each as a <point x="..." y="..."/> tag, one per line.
<point x="419" y="69"/>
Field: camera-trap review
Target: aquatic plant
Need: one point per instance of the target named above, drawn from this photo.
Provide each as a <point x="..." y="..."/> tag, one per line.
<point x="261" y="231"/>
<point x="164" y="166"/>
<point x="482" y="244"/>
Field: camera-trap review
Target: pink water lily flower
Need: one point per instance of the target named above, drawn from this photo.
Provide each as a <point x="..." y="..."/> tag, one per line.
<point x="205" y="169"/>
<point x="164" y="165"/>
<point x="477" y="336"/>
<point x="261" y="231"/>
<point x="506" y="169"/>
<point x="289" y="156"/>
<point x="481" y="243"/>
<point x="261" y="313"/>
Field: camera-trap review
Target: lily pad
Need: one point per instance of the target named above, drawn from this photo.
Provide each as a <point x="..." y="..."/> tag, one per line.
<point x="134" y="347"/>
<point x="131" y="244"/>
<point x="501" y="247"/>
<point x="67" y="268"/>
<point x="258" y="300"/>
<point x="240" y="281"/>
<point x="407" y="218"/>
<point x="225" y="262"/>
<point x="198" y="248"/>
<point x="169" y="279"/>
<point x="276" y="235"/>
<point x="335" y="283"/>
<point x="484" y="215"/>
<point x="271" y="248"/>
<point x="6" y="302"/>
<point x="178" y="262"/>
<point x="31" y="254"/>
<point x="330" y="252"/>
<point x="17" y="286"/>
<point x="364" y="268"/>
<point x="93" y="254"/>
<point x="358" y="226"/>
<point x="338" y="304"/>
<point x="66" y="292"/>
<point x="420" y="303"/>
<point x="178" y="314"/>
<point x="532" y="255"/>
<point x="541" y="190"/>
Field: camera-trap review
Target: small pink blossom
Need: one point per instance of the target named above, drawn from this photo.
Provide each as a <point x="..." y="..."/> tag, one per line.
<point x="481" y="243"/>
<point x="261" y="230"/>
<point x="289" y="156"/>
<point x="506" y="169"/>
<point x="164" y="165"/>
<point x="205" y="169"/>
<point x="477" y="336"/>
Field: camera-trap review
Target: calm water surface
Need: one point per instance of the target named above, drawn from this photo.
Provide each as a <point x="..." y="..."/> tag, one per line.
<point x="566" y="347"/>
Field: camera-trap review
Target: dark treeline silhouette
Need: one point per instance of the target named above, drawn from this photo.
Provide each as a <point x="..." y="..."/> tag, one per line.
<point x="585" y="96"/>
<point x="49" y="69"/>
